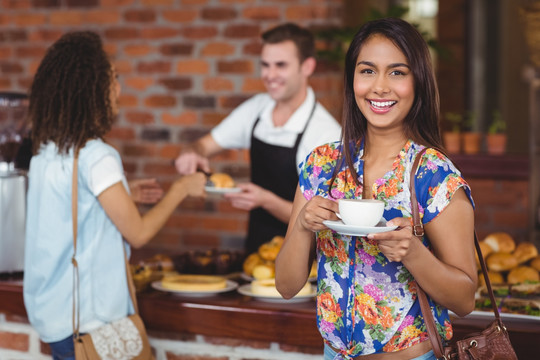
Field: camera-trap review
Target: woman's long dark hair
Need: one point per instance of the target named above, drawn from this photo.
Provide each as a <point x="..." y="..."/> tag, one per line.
<point x="69" y="97"/>
<point x="422" y="122"/>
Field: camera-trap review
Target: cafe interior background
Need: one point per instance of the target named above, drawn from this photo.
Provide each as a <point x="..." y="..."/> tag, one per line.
<point x="185" y="64"/>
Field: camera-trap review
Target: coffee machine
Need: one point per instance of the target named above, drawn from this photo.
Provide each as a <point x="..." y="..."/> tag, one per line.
<point x="13" y="182"/>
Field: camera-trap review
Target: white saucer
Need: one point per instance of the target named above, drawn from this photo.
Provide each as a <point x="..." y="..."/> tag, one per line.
<point x="246" y="290"/>
<point x="231" y="285"/>
<point x="215" y="190"/>
<point x="341" y="228"/>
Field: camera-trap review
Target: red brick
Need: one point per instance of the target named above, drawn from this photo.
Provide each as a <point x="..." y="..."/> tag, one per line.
<point x="6" y="52"/>
<point x="13" y="35"/>
<point x="138" y="49"/>
<point x="46" y="3"/>
<point x="30" y="51"/>
<point x="16" y="4"/>
<point x="231" y="102"/>
<point x="239" y="1"/>
<point x="11" y="67"/>
<point x="157" y="66"/>
<point x="253" y="48"/>
<point x="199" y="32"/>
<point x="262" y="13"/>
<point x="159" y="33"/>
<point x="304" y="12"/>
<point x="139" y="117"/>
<point x="5" y="20"/>
<point x="204" y="221"/>
<point x="160" y="101"/>
<point x="139" y="150"/>
<point x="122" y="33"/>
<point x="180" y="15"/>
<point x="235" y="67"/>
<point x="159" y="169"/>
<point x="140" y="15"/>
<point x="192" y="67"/>
<point x="217" y="84"/>
<point x="49" y="35"/>
<point x="242" y="31"/>
<point x="101" y="17"/>
<point x="112" y="3"/>
<point x="218" y="13"/>
<point x="176" y="84"/>
<point x="126" y="100"/>
<point x="157" y="2"/>
<point x="123" y="66"/>
<point x="194" y="2"/>
<point x="218" y="48"/>
<point x="5" y="84"/>
<point x="14" y="341"/>
<point x="111" y="48"/>
<point x="139" y="83"/>
<point x="122" y="133"/>
<point x="176" y="49"/>
<point x="212" y="118"/>
<point x="30" y="19"/>
<point x="187" y="118"/>
<point x="71" y="18"/>
<point x="253" y="85"/>
<point x="82" y="3"/>
<point x="170" y="151"/>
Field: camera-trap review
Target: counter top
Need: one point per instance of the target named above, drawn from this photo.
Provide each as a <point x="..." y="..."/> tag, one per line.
<point x="238" y="316"/>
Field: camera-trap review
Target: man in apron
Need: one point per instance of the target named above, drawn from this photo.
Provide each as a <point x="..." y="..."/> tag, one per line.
<point x="280" y="127"/>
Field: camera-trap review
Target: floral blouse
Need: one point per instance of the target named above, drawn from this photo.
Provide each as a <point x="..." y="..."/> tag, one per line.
<point x="366" y="304"/>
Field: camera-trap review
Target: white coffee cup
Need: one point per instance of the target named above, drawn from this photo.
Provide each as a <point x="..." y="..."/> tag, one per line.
<point x="361" y="212"/>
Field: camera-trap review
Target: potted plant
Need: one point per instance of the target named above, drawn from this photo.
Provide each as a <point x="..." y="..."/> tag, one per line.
<point x="471" y="139"/>
<point x="496" y="137"/>
<point x="452" y="137"/>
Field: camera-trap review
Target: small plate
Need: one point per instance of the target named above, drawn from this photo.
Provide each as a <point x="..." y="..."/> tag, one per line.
<point x="246" y="277"/>
<point x="215" y="190"/>
<point x="339" y="227"/>
<point x="246" y="290"/>
<point x="231" y="285"/>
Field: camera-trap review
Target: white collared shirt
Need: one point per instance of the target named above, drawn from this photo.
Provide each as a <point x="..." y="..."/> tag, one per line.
<point x="234" y="132"/>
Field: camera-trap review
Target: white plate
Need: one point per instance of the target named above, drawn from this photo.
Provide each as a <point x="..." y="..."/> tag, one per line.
<point x="246" y="277"/>
<point x="339" y="227"/>
<point x="215" y="190"/>
<point x="476" y="314"/>
<point x="246" y="290"/>
<point x="231" y="285"/>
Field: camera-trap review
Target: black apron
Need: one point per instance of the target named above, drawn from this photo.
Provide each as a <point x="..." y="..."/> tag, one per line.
<point x="273" y="168"/>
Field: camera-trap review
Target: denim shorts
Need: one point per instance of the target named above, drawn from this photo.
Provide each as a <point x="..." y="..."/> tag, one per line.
<point x="329" y="354"/>
<point x="63" y="349"/>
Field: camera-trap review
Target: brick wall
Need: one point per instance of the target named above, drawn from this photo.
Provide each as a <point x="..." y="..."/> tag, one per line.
<point x="183" y="65"/>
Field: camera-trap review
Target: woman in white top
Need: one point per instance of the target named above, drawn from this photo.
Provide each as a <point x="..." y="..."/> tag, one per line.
<point x="73" y="102"/>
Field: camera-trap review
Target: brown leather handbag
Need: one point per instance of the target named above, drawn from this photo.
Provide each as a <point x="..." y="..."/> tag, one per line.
<point x="125" y="338"/>
<point x="491" y="343"/>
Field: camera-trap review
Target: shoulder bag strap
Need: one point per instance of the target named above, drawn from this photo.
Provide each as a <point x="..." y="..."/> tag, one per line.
<point x="431" y="328"/>
<point x="131" y="286"/>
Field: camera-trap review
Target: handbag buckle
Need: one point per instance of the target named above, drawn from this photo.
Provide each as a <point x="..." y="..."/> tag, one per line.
<point x="418" y="230"/>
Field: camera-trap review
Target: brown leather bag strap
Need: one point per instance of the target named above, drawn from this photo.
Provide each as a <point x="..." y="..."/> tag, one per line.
<point x="434" y="337"/>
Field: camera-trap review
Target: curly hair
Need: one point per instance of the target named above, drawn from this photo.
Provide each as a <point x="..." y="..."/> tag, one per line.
<point x="70" y="95"/>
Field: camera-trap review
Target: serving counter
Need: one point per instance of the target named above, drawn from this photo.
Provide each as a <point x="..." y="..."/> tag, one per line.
<point x="245" y="321"/>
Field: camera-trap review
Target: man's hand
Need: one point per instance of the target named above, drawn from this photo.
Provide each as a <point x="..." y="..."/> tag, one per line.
<point x="252" y="196"/>
<point x="145" y="191"/>
<point x="189" y="162"/>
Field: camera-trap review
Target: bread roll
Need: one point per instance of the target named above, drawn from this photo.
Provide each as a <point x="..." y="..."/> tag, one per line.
<point x="500" y="242"/>
<point x="269" y="251"/>
<point x="522" y="274"/>
<point x="501" y="261"/>
<point x="221" y="180"/>
<point x="495" y="278"/>
<point x="264" y="271"/>
<point x="250" y="262"/>
<point x="486" y="250"/>
<point x="535" y="263"/>
<point x="525" y="251"/>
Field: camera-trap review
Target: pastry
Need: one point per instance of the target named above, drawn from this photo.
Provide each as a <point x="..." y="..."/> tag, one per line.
<point x="486" y="250"/>
<point x="250" y="262"/>
<point x="501" y="261"/>
<point x="264" y="271"/>
<point x="525" y="251"/>
<point x="194" y="282"/>
<point x="523" y="274"/>
<point x="495" y="278"/>
<point x="268" y="288"/>
<point x="270" y="250"/>
<point x="500" y="242"/>
<point x="535" y="263"/>
<point x="221" y="180"/>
